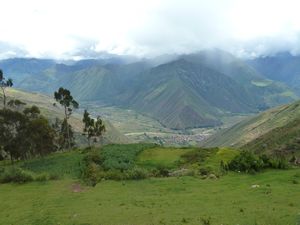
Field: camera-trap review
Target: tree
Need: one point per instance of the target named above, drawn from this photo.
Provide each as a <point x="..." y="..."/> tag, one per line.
<point x="64" y="97"/>
<point x="26" y="134"/>
<point x="12" y="124"/>
<point x="16" y="103"/>
<point x="92" y="128"/>
<point x="3" y="85"/>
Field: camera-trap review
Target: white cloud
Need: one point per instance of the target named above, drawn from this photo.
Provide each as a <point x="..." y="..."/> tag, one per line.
<point x="63" y="28"/>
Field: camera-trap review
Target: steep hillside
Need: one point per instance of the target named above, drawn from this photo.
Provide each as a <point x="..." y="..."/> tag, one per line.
<point x="182" y="94"/>
<point x="265" y="92"/>
<point x="45" y="103"/>
<point x="254" y="127"/>
<point x="281" y="140"/>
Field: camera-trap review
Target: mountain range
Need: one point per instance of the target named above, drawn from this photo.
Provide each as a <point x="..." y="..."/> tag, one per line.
<point x="180" y="91"/>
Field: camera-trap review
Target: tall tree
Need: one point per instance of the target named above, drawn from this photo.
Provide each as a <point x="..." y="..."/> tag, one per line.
<point x="92" y="128"/>
<point x="4" y="83"/>
<point x="64" y="97"/>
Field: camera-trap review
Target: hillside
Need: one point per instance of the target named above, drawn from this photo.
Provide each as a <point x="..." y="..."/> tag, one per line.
<point x="264" y="91"/>
<point x="45" y="103"/>
<point x="254" y="127"/>
<point x="182" y="94"/>
<point x="281" y="140"/>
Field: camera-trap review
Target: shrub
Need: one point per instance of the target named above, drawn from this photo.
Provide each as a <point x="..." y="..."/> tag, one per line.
<point x="54" y="176"/>
<point x="95" y="157"/>
<point x="250" y="163"/>
<point x="41" y="177"/>
<point x="90" y="174"/>
<point x="136" y="174"/>
<point x="246" y="162"/>
<point x="15" y="175"/>
<point x="115" y="175"/>
<point x="161" y="171"/>
<point x="204" y="171"/>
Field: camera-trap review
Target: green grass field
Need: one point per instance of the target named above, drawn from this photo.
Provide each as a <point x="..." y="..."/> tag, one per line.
<point x="185" y="200"/>
<point x="230" y="199"/>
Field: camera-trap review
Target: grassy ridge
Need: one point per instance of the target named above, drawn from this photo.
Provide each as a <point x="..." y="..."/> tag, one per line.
<point x="284" y="139"/>
<point x="256" y="126"/>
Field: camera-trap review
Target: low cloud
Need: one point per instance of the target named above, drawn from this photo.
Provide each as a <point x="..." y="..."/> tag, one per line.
<point x="86" y="29"/>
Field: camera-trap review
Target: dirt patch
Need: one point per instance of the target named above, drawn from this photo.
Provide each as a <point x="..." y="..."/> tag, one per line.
<point x="76" y="188"/>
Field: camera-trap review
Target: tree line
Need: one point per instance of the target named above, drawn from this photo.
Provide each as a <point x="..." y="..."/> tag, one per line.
<point x="26" y="133"/>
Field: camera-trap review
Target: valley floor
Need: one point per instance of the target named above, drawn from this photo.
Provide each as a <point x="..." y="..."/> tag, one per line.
<point x="185" y="200"/>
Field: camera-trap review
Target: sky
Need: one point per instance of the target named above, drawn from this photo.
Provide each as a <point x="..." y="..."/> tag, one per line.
<point x="75" y="29"/>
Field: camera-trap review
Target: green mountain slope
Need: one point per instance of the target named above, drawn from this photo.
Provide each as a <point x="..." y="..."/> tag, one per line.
<point x="281" y="140"/>
<point x="256" y="126"/>
<point x="266" y="93"/>
<point x="45" y="103"/>
<point x="182" y="94"/>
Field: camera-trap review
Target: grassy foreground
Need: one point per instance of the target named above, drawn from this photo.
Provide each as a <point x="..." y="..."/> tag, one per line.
<point x="184" y="200"/>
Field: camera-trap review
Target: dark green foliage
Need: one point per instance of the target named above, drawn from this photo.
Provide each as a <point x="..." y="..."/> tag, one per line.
<point x="27" y="134"/>
<point x="16" y="103"/>
<point x="92" y="128"/>
<point x="160" y="171"/>
<point x="64" y="97"/>
<point x="4" y="83"/>
<point x="249" y="162"/>
<point x="116" y="162"/>
<point x="122" y="157"/>
<point x="57" y="165"/>
<point x="42" y="177"/>
<point x="15" y="175"/>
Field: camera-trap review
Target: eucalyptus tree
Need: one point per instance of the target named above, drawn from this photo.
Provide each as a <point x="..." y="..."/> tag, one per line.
<point x="92" y="128"/>
<point x="63" y="96"/>
<point x="4" y="83"/>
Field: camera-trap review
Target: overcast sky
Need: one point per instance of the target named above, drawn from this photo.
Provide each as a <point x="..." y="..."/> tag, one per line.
<point x="84" y="28"/>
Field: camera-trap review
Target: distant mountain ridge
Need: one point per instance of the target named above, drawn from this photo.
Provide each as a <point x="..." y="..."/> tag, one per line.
<point x="282" y="67"/>
<point x="186" y="91"/>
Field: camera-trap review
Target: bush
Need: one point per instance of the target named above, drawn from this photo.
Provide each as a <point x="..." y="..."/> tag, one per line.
<point x="160" y="171"/>
<point x="250" y="163"/>
<point x="136" y="174"/>
<point x="54" y="176"/>
<point x="42" y="177"/>
<point x="246" y="162"/>
<point x="15" y="175"/>
<point x="90" y="174"/>
<point x="94" y="157"/>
